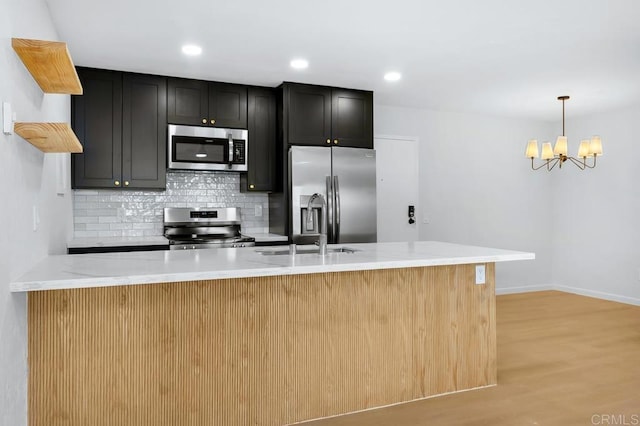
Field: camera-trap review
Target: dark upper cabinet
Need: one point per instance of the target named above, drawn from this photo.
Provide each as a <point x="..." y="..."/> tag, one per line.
<point x="228" y="105"/>
<point x="323" y="116"/>
<point x="144" y="131"/>
<point x="96" y="118"/>
<point x="352" y="118"/>
<point x="308" y="114"/>
<point x="201" y="103"/>
<point x="188" y="102"/>
<point x="121" y="122"/>
<point x="261" y="171"/>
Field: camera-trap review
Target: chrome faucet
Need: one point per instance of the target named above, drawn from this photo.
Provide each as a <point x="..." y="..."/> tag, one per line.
<point x="322" y="241"/>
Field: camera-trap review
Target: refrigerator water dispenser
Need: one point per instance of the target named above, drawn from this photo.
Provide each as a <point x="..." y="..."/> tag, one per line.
<point x="310" y="226"/>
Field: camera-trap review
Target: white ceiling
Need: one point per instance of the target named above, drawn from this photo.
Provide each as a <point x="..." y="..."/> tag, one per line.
<point x="499" y="57"/>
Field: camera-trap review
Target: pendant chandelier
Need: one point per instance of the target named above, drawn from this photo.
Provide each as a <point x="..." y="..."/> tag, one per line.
<point x="558" y="155"/>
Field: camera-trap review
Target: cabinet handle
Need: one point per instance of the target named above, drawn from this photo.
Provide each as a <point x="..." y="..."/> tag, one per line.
<point x="328" y="140"/>
<point x="204" y="121"/>
<point x="335" y="141"/>
<point x="213" y="121"/>
<point x="126" y="183"/>
<point x="251" y="186"/>
<point x="117" y="183"/>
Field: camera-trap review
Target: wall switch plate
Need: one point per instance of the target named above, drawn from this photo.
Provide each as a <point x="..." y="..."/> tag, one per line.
<point x="480" y="274"/>
<point x="425" y="219"/>
<point x="258" y="210"/>
<point x="7" y="118"/>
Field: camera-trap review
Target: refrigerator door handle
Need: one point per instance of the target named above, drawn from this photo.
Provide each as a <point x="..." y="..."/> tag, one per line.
<point x="329" y="213"/>
<point x="336" y="188"/>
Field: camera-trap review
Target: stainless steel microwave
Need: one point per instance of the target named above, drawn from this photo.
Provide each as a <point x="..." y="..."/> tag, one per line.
<point x="207" y="148"/>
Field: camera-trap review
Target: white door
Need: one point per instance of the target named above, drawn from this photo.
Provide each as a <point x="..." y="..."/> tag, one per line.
<point x="397" y="187"/>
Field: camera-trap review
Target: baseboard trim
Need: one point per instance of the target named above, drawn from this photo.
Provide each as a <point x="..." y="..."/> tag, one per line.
<point x="567" y="289"/>
<point x="598" y="295"/>
<point x="524" y="289"/>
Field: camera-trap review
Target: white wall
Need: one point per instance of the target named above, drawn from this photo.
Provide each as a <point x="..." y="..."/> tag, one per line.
<point x="596" y="216"/>
<point x="27" y="178"/>
<point x="477" y="188"/>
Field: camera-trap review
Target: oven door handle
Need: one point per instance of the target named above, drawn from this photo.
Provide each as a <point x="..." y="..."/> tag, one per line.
<point x="230" y="136"/>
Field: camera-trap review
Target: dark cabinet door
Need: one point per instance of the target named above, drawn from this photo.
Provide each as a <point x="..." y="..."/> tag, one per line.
<point x="261" y="171"/>
<point x="228" y="105"/>
<point x="96" y="118"/>
<point x="188" y="102"/>
<point x="144" y="131"/>
<point x="352" y="118"/>
<point x="307" y="114"/>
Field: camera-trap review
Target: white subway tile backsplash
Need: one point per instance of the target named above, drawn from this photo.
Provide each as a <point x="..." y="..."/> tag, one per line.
<point x="120" y="226"/>
<point x="97" y="226"/>
<point x="133" y="233"/>
<point x="106" y="219"/>
<point x="83" y="234"/>
<point x="85" y="219"/>
<point x="143" y="225"/>
<point x="109" y="233"/>
<point x="111" y="213"/>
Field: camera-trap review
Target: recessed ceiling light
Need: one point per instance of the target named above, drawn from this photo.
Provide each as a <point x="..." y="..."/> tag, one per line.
<point x="299" y="64"/>
<point x="191" y="49"/>
<point x="392" y="76"/>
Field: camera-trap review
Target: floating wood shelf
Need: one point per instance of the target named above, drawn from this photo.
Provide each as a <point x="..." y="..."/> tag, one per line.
<point x="50" y="64"/>
<point x="49" y="137"/>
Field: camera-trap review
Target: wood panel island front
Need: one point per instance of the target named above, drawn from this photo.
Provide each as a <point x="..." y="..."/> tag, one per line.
<point x="236" y="337"/>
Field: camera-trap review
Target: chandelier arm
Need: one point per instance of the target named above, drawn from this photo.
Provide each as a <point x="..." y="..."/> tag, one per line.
<point x="540" y="166"/>
<point x="586" y="165"/>
<point x="580" y="164"/>
<point x="555" y="161"/>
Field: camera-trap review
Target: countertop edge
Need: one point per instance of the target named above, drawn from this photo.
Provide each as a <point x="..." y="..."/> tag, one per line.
<point x="95" y="282"/>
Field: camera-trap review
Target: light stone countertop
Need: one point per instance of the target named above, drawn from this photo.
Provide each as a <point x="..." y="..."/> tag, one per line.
<point x="159" y="240"/>
<point x="266" y="237"/>
<point x="88" y="242"/>
<point x="114" y="269"/>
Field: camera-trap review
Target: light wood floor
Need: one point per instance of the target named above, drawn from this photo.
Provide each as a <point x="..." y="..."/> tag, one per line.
<point x="563" y="360"/>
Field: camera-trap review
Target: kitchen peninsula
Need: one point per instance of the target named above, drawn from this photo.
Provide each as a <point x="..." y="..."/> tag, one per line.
<point x="236" y="337"/>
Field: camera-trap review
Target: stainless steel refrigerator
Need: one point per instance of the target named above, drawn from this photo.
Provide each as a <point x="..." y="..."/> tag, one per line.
<point x="346" y="178"/>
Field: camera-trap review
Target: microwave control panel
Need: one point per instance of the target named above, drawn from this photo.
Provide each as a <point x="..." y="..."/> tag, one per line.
<point x="239" y="152"/>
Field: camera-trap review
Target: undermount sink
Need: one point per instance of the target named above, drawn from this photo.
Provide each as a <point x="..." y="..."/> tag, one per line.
<point x="304" y="250"/>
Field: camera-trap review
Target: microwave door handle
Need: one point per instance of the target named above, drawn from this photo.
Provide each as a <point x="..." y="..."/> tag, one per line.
<point x="230" y="136"/>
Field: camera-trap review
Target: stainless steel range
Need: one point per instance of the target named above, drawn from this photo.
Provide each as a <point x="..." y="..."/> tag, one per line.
<point x="203" y="227"/>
